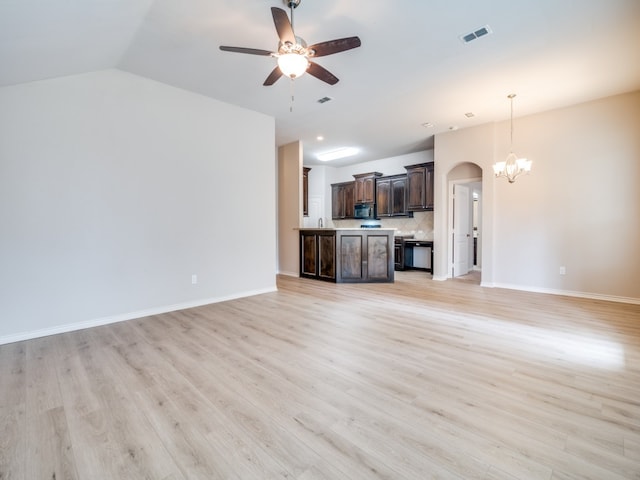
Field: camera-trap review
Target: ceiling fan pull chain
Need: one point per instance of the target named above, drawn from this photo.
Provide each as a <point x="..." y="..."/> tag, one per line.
<point x="292" y="96"/>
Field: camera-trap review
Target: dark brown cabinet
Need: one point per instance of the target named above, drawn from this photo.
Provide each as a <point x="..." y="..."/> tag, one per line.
<point x="365" y="187"/>
<point x="398" y="254"/>
<point x="347" y="255"/>
<point x="420" y="187"/>
<point x="305" y="191"/>
<point x="365" y="257"/>
<point x="318" y="254"/>
<point x="342" y="200"/>
<point x="391" y="196"/>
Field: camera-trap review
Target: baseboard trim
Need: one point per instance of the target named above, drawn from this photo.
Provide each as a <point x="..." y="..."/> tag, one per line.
<point x="289" y="274"/>
<point x="97" y="322"/>
<point x="566" y="293"/>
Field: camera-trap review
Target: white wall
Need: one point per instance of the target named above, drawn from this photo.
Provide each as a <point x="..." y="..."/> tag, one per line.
<point x="318" y="198"/>
<point x="579" y="207"/>
<point x="115" y="189"/>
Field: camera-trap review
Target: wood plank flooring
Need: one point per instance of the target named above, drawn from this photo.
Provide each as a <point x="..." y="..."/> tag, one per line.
<point x="412" y="380"/>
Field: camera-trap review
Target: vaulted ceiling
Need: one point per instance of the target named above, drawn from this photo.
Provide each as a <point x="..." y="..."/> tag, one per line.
<point x="411" y="69"/>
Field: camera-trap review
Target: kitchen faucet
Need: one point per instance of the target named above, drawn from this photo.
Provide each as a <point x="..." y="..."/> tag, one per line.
<point x="320" y="225"/>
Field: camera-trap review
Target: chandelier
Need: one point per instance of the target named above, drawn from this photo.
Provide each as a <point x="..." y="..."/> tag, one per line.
<point x="513" y="166"/>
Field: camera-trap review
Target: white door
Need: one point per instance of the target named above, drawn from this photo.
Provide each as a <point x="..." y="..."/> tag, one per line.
<point x="461" y="230"/>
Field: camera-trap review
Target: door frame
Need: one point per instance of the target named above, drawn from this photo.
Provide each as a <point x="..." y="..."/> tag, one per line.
<point x="450" y="194"/>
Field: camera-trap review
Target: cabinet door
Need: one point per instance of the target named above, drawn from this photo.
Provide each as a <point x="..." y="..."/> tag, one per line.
<point x="378" y="257"/>
<point x="383" y="197"/>
<point x="397" y="255"/>
<point x="416" y="182"/>
<point x="351" y="251"/>
<point x="337" y="201"/>
<point x="342" y="200"/>
<point x="429" y="180"/>
<point x="360" y="190"/>
<point x="308" y="254"/>
<point x="369" y="189"/>
<point x="349" y="200"/>
<point x="420" y="187"/>
<point x="327" y="256"/>
<point x="399" y="196"/>
<point x="365" y="187"/>
<point x="305" y="191"/>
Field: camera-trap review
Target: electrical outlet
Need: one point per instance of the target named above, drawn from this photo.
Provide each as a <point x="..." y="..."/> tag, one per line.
<point x="563" y="271"/>
<point x="194" y="279"/>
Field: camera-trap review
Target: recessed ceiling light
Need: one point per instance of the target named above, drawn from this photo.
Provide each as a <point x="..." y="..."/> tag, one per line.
<point x="427" y="125"/>
<point x="324" y="99"/>
<point x="319" y="138"/>
<point x="453" y="128"/>
<point x="337" y="153"/>
<point x="469" y="115"/>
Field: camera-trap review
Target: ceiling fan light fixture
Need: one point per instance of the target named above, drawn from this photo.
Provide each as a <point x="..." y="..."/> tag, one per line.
<point x="293" y="64"/>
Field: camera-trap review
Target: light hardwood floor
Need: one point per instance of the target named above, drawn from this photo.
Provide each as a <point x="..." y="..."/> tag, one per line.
<point x="412" y="380"/>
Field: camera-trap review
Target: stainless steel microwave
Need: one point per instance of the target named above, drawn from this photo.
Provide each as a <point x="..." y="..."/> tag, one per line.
<point x="365" y="211"/>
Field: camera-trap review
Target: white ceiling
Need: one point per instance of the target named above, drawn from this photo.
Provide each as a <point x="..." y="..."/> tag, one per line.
<point x="411" y="69"/>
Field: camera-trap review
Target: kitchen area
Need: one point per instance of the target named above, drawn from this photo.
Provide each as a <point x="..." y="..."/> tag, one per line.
<point x="379" y="223"/>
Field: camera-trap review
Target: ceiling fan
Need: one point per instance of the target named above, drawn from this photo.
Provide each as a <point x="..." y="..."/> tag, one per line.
<point x="293" y="55"/>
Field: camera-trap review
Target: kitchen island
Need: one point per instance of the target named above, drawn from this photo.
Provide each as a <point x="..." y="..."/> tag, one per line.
<point x="347" y="255"/>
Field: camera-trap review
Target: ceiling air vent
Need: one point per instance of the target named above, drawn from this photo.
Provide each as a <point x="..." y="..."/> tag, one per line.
<point x="325" y="99"/>
<point x="471" y="36"/>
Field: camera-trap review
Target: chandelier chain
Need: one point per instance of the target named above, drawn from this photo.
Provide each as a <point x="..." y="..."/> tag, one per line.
<point x="511" y="146"/>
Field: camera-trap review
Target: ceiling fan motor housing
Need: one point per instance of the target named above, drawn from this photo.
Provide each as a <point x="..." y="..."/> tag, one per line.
<point x="300" y="47"/>
<point x="292" y="3"/>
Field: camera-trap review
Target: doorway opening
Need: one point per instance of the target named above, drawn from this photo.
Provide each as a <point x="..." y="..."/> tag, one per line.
<point x="465" y="223"/>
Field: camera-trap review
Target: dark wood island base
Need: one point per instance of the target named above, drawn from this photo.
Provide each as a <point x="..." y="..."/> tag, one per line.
<point x="347" y="255"/>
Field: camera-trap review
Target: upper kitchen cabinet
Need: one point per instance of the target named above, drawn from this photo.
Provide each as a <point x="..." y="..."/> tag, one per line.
<point x="342" y="200"/>
<point x="365" y="188"/>
<point x="305" y="191"/>
<point x="391" y="196"/>
<point x="420" y="187"/>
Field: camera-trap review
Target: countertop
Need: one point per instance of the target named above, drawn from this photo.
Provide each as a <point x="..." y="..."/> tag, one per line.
<point x="329" y="229"/>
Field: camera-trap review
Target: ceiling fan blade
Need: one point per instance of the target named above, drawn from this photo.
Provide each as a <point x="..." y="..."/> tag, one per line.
<point x="322" y="73"/>
<point x="283" y="25"/>
<point x="275" y="74"/>
<point x="250" y="51"/>
<point x="334" y="46"/>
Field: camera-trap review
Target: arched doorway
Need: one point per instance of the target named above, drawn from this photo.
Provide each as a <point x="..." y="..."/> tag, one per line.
<point x="465" y="222"/>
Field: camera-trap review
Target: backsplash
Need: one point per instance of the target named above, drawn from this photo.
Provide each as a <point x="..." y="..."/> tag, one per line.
<point x="420" y="226"/>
